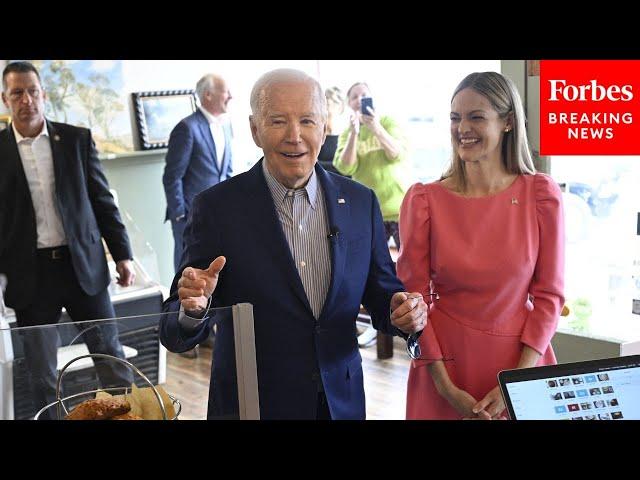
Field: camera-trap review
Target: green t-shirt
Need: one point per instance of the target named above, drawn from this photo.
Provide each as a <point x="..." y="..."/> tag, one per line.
<point x="373" y="168"/>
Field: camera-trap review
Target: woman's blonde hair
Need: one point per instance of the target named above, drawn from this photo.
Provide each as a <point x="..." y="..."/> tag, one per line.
<point x="504" y="98"/>
<point x="355" y="85"/>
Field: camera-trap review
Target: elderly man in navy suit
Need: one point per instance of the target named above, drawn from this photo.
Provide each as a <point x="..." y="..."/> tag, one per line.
<point x="199" y="155"/>
<point x="305" y="247"/>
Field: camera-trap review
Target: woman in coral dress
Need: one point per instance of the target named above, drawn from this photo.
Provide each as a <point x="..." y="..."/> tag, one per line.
<point x="488" y="238"/>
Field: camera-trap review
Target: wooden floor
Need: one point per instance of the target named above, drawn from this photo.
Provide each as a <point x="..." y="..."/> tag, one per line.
<point x="385" y="382"/>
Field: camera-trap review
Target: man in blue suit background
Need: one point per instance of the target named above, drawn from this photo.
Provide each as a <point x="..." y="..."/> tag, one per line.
<point x="199" y="155"/>
<point x="305" y="247"/>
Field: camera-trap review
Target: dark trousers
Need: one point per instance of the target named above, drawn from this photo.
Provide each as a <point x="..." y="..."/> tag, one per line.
<point x="57" y="288"/>
<point x="391" y="230"/>
<point x="178" y="242"/>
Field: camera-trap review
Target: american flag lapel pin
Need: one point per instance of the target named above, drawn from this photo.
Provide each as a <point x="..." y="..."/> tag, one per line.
<point x="56" y="138"/>
<point x="341" y="200"/>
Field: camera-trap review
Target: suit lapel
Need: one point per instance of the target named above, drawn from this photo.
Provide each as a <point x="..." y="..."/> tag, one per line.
<point x="205" y="130"/>
<point x="338" y="208"/>
<point x="58" y="156"/>
<point x="270" y="233"/>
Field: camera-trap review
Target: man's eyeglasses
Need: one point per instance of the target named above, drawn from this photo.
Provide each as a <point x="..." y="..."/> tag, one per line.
<point x="413" y="347"/>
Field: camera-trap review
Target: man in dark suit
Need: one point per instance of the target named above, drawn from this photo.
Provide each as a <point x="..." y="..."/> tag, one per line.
<point x="56" y="207"/>
<point x="199" y="155"/>
<point x="305" y="247"/>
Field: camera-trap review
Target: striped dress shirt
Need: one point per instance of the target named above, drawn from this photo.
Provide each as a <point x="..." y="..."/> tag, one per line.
<point x="303" y="216"/>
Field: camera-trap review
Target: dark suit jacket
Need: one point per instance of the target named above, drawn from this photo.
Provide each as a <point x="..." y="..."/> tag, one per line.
<point x="86" y="207"/>
<point x="192" y="164"/>
<point x="237" y="219"/>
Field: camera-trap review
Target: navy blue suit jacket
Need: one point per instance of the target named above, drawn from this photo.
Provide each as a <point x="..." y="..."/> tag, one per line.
<point x="237" y="219"/>
<point x="191" y="163"/>
<point x="87" y="210"/>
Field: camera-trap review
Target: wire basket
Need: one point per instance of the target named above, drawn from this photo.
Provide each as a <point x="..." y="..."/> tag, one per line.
<point x="61" y="409"/>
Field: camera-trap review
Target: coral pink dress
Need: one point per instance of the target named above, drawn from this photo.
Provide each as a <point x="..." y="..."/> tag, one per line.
<point x="484" y="257"/>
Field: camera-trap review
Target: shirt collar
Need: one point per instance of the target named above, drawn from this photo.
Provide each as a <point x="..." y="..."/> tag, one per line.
<point x="279" y="191"/>
<point x="20" y="138"/>
<point x="211" y="118"/>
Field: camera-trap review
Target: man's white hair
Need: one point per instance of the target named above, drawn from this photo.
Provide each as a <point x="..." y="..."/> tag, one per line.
<point x="207" y="84"/>
<point x="283" y="75"/>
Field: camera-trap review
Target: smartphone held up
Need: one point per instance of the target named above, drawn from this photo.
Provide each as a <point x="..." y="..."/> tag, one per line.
<point x="364" y="103"/>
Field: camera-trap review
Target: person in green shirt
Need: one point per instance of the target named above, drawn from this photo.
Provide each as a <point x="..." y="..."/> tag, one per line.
<point x="373" y="150"/>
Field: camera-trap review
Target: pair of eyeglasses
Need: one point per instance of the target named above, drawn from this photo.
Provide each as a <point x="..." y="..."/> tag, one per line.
<point x="413" y="347"/>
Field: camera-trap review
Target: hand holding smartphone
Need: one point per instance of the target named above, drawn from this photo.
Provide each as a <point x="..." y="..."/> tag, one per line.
<point x="364" y="103"/>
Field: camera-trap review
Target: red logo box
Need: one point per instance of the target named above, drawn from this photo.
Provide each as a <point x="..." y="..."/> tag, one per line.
<point x="590" y="107"/>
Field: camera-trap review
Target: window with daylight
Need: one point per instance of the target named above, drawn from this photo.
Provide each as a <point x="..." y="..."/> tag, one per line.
<point x="602" y="204"/>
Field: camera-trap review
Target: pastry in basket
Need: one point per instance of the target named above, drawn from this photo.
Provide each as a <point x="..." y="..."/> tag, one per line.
<point x="99" y="409"/>
<point x="127" y="416"/>
<point x="145" y="403"/>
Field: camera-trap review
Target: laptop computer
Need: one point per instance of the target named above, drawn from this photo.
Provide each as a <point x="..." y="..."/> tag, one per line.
<point x="606" y="389"/>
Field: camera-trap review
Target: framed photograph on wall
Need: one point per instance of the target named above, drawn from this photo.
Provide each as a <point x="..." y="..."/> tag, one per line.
<point x="158" y="112"/>
<point x="4" y="121"/>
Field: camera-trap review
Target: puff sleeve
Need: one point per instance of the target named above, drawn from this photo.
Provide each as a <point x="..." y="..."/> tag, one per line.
<point x="414" y="260"/>
<point x="547" y="284"/>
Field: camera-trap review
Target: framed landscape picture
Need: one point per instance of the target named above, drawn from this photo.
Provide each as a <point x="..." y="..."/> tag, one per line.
<point x="158" y="112"/>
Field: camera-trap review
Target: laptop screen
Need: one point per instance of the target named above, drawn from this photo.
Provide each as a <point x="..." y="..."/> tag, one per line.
<point x="607" y="389"/>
